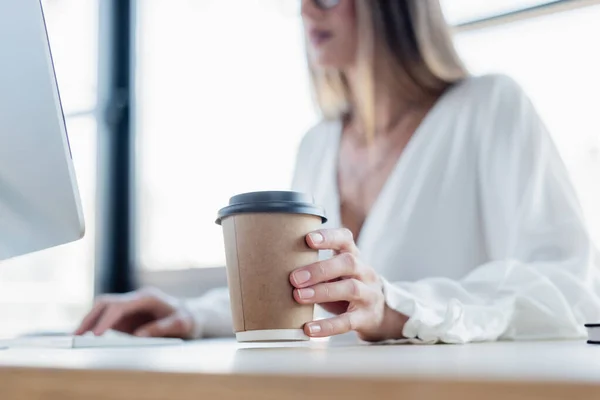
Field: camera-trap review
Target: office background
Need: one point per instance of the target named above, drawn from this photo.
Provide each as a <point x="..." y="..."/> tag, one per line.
<point x="174" y="105"/>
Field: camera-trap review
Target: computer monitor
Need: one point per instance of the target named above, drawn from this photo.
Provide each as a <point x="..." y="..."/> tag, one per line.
<point x="40" y="205"/>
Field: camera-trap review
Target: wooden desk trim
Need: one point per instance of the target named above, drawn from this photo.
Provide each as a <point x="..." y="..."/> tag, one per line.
<point x="63" y="384"/>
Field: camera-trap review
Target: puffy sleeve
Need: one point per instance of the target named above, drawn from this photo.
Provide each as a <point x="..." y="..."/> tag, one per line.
<point x="542" y="280"/>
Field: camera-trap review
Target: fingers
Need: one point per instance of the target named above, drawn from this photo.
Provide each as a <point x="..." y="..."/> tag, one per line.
<point x="345" y="265"/>
<point x="178" y="325"/>
<point x="114" y="313"/>
<point x="339" y="325"/>
<point x="350" y="290"/>
<point x="92" y="317"/>
<point x="341" y="240"/>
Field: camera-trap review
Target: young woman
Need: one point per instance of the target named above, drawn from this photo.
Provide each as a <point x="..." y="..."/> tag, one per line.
<point x="451" y="215"/>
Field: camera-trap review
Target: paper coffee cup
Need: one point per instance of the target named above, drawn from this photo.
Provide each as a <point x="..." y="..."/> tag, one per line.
<point x="265" y="240"/>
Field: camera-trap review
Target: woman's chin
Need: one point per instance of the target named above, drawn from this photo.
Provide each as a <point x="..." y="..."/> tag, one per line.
<point x="325" y="62"/>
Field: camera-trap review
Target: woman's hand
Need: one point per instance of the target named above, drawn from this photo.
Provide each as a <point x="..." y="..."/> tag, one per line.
<point x="345" y="286"/>
<point x="146" y="312"/>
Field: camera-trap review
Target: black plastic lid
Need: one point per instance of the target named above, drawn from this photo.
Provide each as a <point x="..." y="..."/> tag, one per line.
<point x="271" y="202"/>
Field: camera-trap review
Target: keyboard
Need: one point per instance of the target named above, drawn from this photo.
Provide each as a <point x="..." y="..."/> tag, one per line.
<point x="89" y="340"/>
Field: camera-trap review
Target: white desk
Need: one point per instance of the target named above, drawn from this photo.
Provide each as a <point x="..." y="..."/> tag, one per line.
<point x="224" y="369"/>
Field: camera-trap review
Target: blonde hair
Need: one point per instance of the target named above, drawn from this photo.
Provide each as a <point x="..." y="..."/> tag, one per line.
<point x="414" y="41"/>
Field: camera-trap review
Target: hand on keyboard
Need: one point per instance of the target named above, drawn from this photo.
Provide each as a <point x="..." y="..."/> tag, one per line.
<point x="144" y="313"/>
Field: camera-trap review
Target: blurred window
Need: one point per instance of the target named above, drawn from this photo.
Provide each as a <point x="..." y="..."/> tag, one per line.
<point x="462" y="11"/>
<point x="220" y="84"/>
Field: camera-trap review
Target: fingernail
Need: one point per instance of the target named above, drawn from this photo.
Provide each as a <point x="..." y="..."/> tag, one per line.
<point x="164" y="323"/>
<point x="314" y="328"/>
<point x="316" y="238"/>
<point x="306" y="293"/>
<point x="143" y="334"/>
<point x="301" y="277"/>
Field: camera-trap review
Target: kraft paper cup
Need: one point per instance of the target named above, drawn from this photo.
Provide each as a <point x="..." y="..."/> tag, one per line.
<point x="264" y="235"/>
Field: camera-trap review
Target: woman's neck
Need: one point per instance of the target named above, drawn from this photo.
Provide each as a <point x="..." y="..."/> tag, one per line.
<point x="391" y="105"/>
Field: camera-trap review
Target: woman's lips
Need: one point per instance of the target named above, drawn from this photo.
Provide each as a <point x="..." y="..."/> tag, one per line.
<point x="319" y="36"/>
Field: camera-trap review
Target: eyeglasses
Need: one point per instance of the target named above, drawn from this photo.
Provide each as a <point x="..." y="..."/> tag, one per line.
<point x="326" y="4"/>
<point x="292" y="8"/>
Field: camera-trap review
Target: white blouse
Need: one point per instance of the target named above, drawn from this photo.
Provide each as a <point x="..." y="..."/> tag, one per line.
<point x="477" y="232"/>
